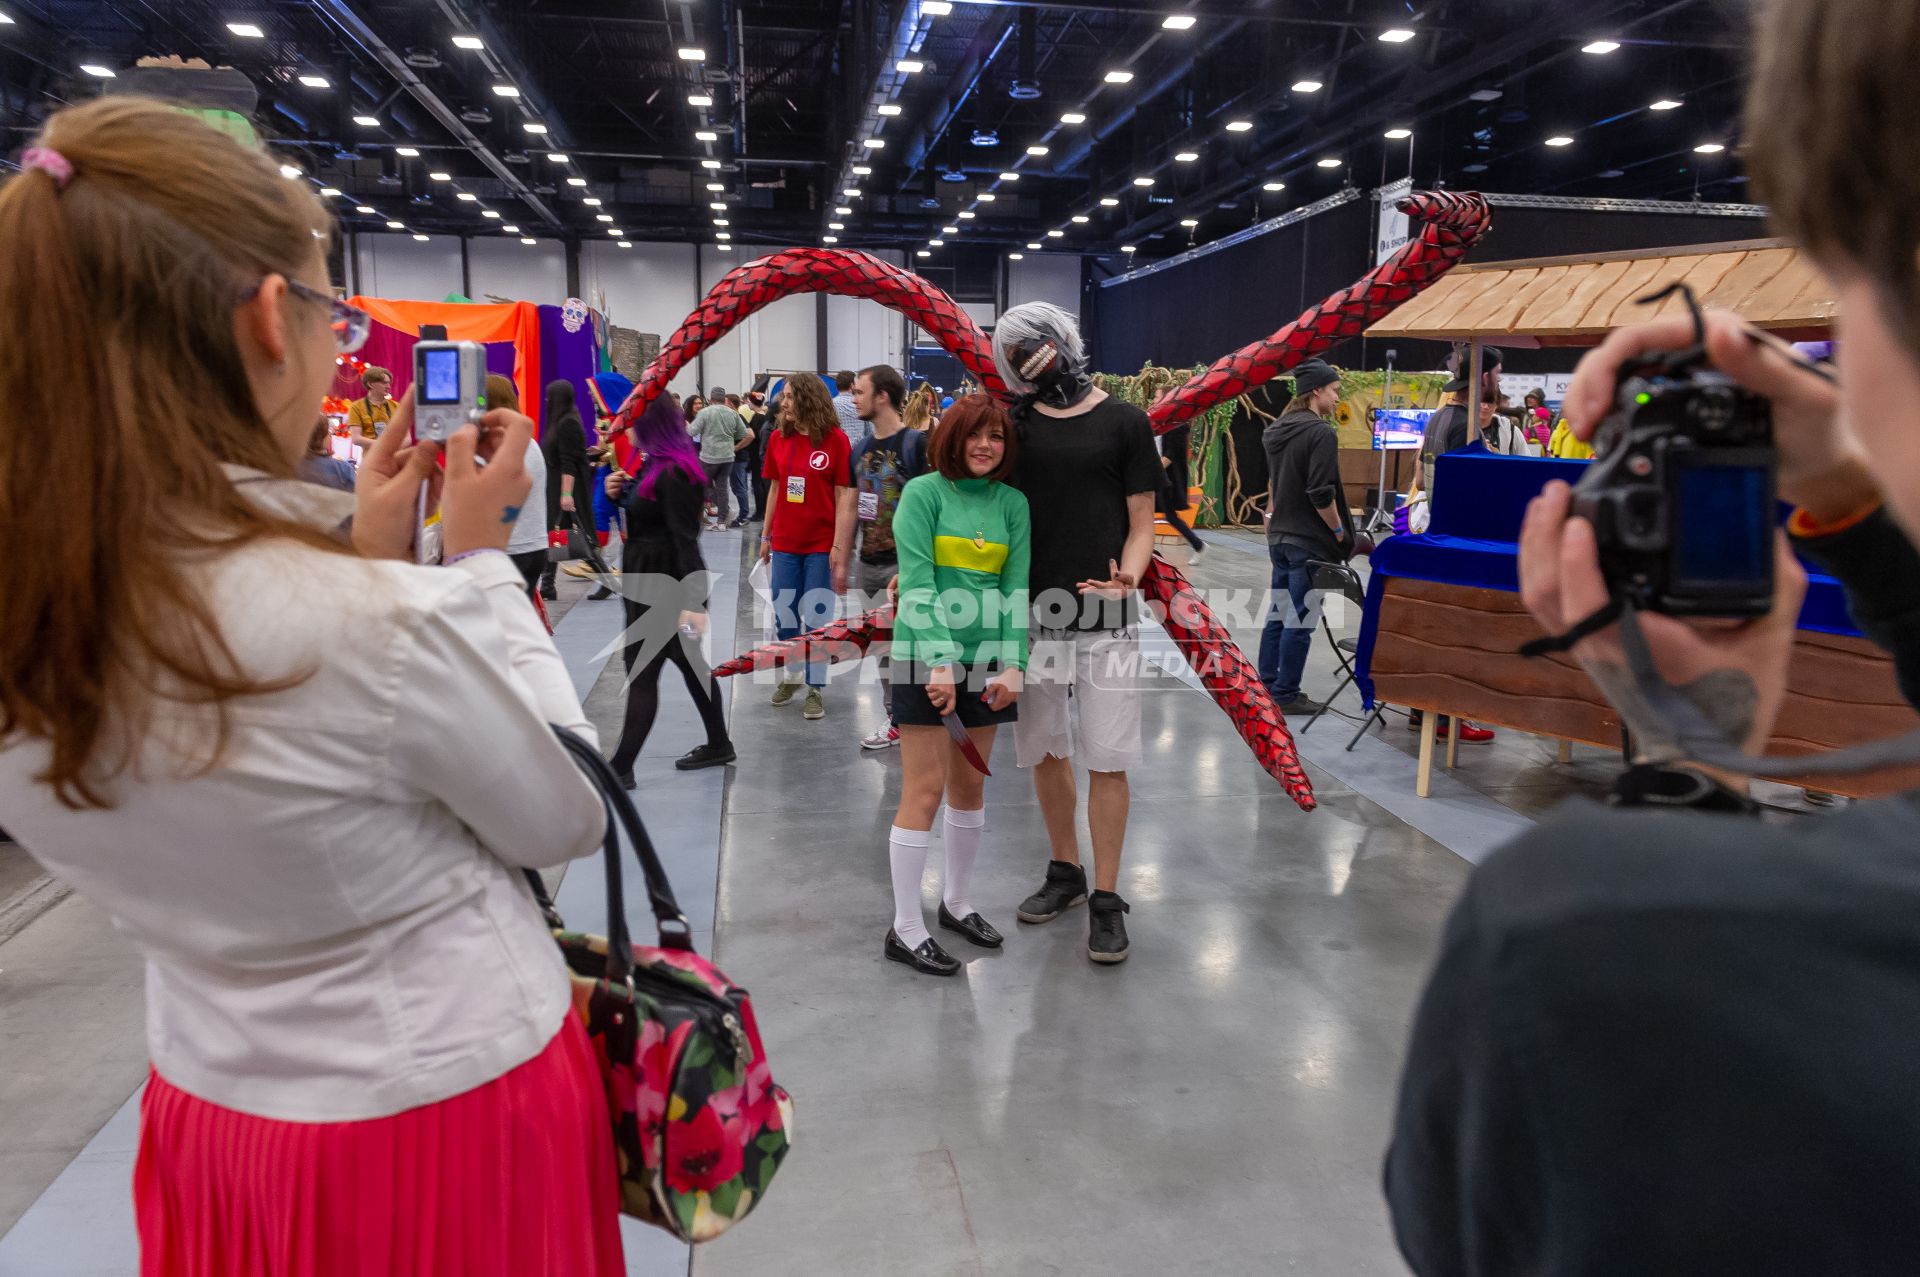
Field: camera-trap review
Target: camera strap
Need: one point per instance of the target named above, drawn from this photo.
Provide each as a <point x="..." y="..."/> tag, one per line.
<point x="1702" y="742"/>
<point x="1564" y="642"/>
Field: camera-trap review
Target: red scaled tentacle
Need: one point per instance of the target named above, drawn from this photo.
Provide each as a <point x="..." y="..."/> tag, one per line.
<point x="1224" y="672"/>
<point x="832" y="643"/>
<point x="1454" y="223"/>
<point x="755" y="285"/>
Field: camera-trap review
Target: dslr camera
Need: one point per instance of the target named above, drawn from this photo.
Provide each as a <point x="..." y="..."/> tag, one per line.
<point x="1681" y="493"/>
<point x="450" y="379"/>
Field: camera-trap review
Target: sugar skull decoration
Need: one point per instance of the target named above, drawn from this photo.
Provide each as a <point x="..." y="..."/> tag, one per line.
<point x="573" y="314"/>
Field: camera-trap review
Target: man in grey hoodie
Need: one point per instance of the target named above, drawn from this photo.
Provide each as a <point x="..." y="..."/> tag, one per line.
<point x="1308" y="521"/>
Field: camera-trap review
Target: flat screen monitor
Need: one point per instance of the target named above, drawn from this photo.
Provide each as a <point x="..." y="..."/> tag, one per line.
<point x="1399" y="429"/>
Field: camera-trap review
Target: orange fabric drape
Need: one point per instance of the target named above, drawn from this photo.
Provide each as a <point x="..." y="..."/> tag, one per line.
<point x="517" y="322"/>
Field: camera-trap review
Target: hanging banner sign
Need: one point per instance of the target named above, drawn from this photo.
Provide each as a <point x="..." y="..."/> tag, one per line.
<point x="1392" y="227"/>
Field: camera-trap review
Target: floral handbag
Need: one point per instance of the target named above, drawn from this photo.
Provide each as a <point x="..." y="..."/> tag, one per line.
<point x="699" y="1127"/>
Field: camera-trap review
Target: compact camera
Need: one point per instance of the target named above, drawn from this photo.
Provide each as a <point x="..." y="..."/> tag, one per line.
<point x="450" y="387"/>
<point x="1681" y="491"/>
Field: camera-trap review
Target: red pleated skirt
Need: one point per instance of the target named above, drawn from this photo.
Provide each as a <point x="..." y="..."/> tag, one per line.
<point x="515" y="1178"/>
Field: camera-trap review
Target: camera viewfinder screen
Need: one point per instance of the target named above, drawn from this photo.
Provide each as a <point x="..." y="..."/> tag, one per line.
<point x="440" y="376"/>
<point x="1725" y="527"/>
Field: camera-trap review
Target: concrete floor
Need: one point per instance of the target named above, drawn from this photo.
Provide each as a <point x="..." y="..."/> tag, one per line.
<point x="1217" y="1104"/>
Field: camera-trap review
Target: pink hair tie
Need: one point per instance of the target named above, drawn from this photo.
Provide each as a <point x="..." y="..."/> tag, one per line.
<point x="50" y="162"/>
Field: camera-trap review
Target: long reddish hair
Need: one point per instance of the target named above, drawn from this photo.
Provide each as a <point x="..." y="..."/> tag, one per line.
<point x="124" y="391"/>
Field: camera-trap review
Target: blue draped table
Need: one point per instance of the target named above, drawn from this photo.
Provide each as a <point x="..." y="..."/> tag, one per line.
<point x="1473" y="541"/>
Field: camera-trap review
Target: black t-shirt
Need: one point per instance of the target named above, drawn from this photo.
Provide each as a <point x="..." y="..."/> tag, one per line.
<point x="1446" y="432"/>
<point x="1077" y="473"/>
<point x="881" y="468"/>
<point x="1671" y="1045"/>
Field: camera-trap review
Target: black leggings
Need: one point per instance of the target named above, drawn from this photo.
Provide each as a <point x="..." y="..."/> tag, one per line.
<point x="643" y="696"/>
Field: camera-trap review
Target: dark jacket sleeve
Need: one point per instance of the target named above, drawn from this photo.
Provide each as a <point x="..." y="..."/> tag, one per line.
<point x="1881" y="572"/>
<point x="1323" y="471"/>
<point x="1462" y="1174"/>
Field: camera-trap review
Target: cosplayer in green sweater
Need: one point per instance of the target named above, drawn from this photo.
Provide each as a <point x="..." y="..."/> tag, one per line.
<point x="959" y="652"/>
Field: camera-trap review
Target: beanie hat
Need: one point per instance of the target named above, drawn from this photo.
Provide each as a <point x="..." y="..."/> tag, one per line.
<point x="1311" y="375"/>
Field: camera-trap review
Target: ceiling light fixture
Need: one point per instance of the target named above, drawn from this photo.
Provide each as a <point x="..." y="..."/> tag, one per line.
<point x="626" y="243"/>
<point x="1186" y="157"/>
<point x="363" y="208"/>
<point x="985" y="197"/>
<point x="1178" y="22"/>
<point x="467" y="197"/>
<point x="468" y="42"/>
<point x="936" y="8"/>
<point x="1559" y="139"/>
<point x="725" y="248"/>
<point x="396" y="226"/>
<point x="328" y="192"/>
<point x="96" y="70"/>
<point x="717" y="207"/>
<point x="1037" y="149"/>
<point x="843" y="210"/>
<point x="505" y="91"/>
<point x="1664" y="104"/>
<point x="710" y="164"/>
<point x="1072" y="117"/>
<point x="716" y="187"/>
<point x="1240" y="126"/>
<point x="1109" y="202"/>
<point x="534" y="126"/>
<point x="705" y="135"/>
<point x="421" y="239"/>
<point x="852" y="192"/>
<point x="1079" y="219"/>
<point x="1272" y="187"/>
<point x="967" y="215"/>
<point x="289" y="171"/>
<point x="316" y="81"/>
<point x="1600" y="46"/>
<point x="1396" y="135"/>
<point x="1127" y="248"/>
<point x="1397" y="35"/>
<point x="936" y="243"/>
<point x="246" y="29"/>
<point x="874" y="143"/>
<point x="1016" y="257"/>
<point x="1709" y="148"/>
<point x="576" y="181"/>
<point x="1307" y="86"/>
<point x="722" y="222"/>
<point x="528" y="239"/>
<point x="603" y="217"/>
<point x="592" y="201"/>
<point x="699" y="99"/>
<point x="511" y="230"/>
<point x="829" y="239"/>
<point x="723" y="235"/>
<point x="1056" y="234"/>
<point x="407" y="151"/>
<point x="367" y="121"/>
<point x="558" y="157"/>
<point x="1035" y="246"/>
<point x="490" y="213"/>
<point x="1330" y="162"/>
<point x="890" y="108"/>
<point x="909" y="66"/>
<point x="1009" y="176"/>
<point x="438" y="176"/>
<point x="861" y="170"/>
<point x="1190" y="222"/>
<point x="1143" y="181"/>
<point x="693" y="55"/>
<point x="925" y="252"/>
<point x="1119" y="77"/>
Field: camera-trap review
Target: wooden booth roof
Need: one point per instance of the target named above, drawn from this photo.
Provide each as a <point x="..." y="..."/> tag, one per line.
<point x="1575" y="301"/>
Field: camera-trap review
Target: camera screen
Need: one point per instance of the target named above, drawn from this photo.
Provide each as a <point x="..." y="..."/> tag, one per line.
<point x="1725" y="527"/>
<point x="440" y="376"/>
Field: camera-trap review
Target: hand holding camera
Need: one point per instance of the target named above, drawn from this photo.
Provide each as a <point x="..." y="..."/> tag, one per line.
<point x="486" y="481"/>
<point x="387" y="488"/>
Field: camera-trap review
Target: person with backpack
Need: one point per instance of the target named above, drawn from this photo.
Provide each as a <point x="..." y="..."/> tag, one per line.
<point x="883" y="462"/>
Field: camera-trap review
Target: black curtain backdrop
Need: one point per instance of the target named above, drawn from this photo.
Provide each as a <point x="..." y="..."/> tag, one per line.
<point x="1197" y="312"/>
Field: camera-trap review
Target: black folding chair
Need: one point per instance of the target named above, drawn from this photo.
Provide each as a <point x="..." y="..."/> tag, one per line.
<point x="1325" y="578"/>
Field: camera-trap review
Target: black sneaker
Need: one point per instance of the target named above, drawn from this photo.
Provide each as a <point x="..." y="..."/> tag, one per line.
<point x="549" y="591"/>
<point x="1065" y="887"/>
<point x="705" y="756"/>
<point x="1107" y="927"/>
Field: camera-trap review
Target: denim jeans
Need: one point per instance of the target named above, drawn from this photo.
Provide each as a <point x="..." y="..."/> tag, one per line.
<point x="741" y="481"/>
<point x="803" y="599"/>
<point x="1289" y="632"/>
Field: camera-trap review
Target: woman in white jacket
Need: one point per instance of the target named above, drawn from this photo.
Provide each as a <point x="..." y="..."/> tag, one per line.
<point x="302" y="773"/>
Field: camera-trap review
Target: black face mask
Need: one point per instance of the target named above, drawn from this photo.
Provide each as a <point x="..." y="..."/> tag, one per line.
<point x="1057" y="383"/>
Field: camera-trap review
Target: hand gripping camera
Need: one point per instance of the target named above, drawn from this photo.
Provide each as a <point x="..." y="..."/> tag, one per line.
<point x="1681" y="493"/>
<point x="450" y="380"/>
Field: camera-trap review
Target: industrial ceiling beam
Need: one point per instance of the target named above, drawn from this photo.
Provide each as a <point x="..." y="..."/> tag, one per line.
<point x="341" y="13"/>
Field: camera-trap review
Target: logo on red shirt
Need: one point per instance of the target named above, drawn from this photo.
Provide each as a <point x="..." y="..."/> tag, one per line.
<point x="818" y="459"/>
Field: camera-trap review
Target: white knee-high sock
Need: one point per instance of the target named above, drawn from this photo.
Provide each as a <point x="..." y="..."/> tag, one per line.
<point x="963" y="848"/>
<point x="907" y="849"/>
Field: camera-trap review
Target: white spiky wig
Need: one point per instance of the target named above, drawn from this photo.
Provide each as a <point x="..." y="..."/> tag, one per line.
<point x="1029" y="325"/>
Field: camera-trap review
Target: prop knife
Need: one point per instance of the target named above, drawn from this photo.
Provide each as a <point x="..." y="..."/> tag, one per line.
<point x="965" y="742"/>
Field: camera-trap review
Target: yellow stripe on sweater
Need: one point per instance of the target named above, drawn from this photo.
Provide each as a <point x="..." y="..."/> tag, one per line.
<point x="961" y="552"/>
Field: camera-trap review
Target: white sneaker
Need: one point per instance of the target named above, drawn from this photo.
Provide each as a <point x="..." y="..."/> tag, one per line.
<point x="886" y="738"/>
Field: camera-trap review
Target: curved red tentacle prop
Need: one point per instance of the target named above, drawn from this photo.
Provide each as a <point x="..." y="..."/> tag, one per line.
<point x="751" y="287"/>
<point x="1455" y="222"/>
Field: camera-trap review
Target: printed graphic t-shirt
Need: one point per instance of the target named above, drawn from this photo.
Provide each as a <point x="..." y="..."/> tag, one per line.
<point x="801" y="502"/>
<point x="882" y="475"/>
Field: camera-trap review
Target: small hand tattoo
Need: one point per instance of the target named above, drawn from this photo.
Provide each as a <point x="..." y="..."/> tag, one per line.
<point x="509" y="514"/>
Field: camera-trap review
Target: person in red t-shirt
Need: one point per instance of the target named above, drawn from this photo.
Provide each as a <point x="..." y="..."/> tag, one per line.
<point x="809" y="535"/>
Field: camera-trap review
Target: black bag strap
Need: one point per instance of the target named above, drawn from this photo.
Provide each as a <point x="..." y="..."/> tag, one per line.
<point x="672" y="927"/>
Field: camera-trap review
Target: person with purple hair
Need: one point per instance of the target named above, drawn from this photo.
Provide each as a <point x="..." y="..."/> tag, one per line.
<point x="663" y="585"/>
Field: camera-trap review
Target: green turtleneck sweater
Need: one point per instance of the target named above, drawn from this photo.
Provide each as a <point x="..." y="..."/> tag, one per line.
<point x="963" y="572"/>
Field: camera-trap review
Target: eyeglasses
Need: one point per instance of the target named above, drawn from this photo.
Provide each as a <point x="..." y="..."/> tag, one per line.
<point x="351" y="325"/>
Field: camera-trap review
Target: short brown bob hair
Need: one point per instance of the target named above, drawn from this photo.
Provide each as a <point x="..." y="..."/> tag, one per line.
<point x="947" y="445"/>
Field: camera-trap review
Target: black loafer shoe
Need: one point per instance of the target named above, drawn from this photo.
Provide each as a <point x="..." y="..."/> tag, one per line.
<point x="973" y="927"/>
<point x="705" y="756"/>
<point x="928" y="959"/>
